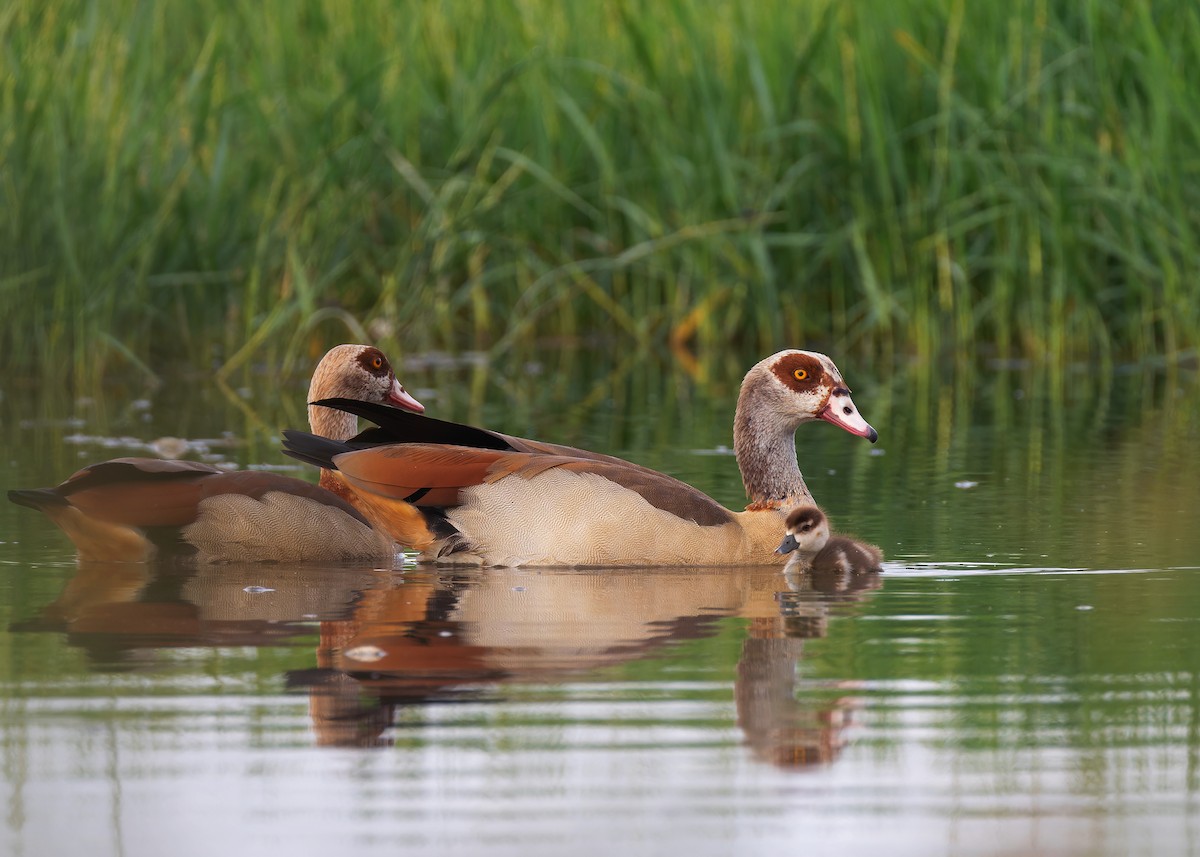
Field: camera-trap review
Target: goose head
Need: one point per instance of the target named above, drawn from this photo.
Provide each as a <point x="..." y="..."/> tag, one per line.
<point x="794" y="387"/>
<point x="807" y="531"/>
<point x="354" y="372"/>
<point x="779" y="394"/>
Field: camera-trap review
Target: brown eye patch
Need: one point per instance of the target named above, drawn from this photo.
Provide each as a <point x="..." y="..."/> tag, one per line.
<point x="373" y="361"/>
<point x="798" y="371"/>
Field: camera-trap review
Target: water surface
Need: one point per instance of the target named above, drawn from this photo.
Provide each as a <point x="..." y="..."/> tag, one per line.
<point x="1022" y="679"/>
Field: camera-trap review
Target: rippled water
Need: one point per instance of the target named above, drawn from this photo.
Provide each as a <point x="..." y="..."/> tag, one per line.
<point x="1024" y="678"/>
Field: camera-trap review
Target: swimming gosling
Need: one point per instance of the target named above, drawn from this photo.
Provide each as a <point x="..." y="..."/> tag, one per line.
<point x="808" y="535"/>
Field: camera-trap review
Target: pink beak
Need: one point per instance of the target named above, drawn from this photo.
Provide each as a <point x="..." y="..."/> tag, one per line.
<point x="400" y="397"/>
<point x="841" y="412"/>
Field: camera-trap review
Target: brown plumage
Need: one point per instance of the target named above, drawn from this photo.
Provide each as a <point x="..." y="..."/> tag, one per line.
<point x="139" y="509"/>
<point x="808" y="539"/>
<point x="464" y="494"/>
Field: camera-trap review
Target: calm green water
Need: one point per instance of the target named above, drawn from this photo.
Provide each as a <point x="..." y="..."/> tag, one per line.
<point x="1024" y="678"/>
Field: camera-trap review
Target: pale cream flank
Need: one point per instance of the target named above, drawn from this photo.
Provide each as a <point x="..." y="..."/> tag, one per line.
<point x="280" y="527"/>
<point x="561" y="517"/>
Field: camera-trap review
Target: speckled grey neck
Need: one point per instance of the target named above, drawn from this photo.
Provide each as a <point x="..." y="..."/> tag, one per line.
<point x="331" y="423"/>
<point x="764" y="440"/>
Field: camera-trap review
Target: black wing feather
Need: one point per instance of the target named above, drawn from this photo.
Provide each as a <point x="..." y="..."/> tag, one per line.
<point x="400" y="426"/>
<point x="312" y="448"/>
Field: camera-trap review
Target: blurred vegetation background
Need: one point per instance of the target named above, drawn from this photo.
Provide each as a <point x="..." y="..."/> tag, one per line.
<point x="218" y="182"/>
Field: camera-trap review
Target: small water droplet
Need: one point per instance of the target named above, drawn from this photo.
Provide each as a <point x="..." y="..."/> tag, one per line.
<point x="255" y="590"/>
<point x="965" y="483"/>
<point x="365" y="653"/>
<point x="1084" y="607"/>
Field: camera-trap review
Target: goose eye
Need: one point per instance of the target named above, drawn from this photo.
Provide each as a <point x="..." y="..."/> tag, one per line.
<point x="376" y="362"/>
<point x="800" y="374"/>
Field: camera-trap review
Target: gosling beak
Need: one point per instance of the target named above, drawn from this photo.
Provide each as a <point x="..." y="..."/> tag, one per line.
<point x="841" y="412"/>
<point x="788" y="544"/>
<point x="401" y="398"/>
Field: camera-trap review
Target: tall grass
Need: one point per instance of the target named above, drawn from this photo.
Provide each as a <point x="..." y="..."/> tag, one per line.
<point x="220" y="182"/>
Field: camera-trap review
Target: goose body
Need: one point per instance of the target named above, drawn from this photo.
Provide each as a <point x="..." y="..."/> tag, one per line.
<point x="466" y="495"/>
<point x="808" y="540"/>
<point x="141" y="509"/>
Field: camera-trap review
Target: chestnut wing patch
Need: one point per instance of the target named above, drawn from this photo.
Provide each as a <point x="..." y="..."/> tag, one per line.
<point x="428" y="474"/>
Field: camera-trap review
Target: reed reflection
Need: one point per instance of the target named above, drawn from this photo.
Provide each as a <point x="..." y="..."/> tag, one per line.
<point x="387" y="641"/>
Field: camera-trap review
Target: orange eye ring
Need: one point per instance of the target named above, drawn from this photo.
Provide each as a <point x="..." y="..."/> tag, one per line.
<point x="800" y="374"/>
<point x="376" y="362"/>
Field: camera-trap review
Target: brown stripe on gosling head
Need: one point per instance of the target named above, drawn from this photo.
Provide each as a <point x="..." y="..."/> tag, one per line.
<point x="807" y="530"/>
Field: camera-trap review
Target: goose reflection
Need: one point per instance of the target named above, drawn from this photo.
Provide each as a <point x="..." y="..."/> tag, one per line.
<point x="117" y="611"/>
<point x="390" y="640"/>
<point x="780" y="728"/>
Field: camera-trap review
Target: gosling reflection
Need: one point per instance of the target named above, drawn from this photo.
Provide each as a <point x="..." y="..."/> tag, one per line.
<point x="389" y="642"/>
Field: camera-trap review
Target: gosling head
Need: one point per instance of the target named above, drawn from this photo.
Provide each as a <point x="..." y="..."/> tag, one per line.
<point x="807" y="531"/>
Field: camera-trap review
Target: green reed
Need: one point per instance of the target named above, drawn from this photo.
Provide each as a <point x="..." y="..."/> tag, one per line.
<point x="221" y="183"/>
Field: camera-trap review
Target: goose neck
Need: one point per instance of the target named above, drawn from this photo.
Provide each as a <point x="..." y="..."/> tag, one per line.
<point x="331" y="423"/>
<point x="765" y="446"/>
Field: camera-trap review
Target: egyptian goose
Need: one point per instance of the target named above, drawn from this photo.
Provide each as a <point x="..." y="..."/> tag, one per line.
<point x="139" y="509"/>
<point x="461" y="494"/>
<point x="810" y="543"/>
